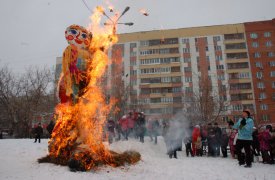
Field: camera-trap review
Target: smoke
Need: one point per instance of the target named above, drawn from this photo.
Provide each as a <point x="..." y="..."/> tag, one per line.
<point x="176" y="130"/>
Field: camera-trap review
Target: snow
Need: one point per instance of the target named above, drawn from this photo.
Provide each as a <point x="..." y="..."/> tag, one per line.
<point x="19" y="161"/>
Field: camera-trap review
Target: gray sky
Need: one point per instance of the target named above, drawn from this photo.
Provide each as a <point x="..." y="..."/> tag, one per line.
<point x="32" y="31"/>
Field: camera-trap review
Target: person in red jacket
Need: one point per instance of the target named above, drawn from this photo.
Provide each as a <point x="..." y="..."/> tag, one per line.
<point x="196" y="141"/>
<point x="131" y="123"/>
<point x="123" y="122"/>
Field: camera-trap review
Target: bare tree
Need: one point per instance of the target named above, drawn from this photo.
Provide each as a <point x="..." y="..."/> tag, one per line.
<point x="25" y="96"/>
<point x="206" y="105"/>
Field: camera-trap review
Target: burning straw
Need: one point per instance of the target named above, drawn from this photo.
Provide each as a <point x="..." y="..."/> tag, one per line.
<point x="77" y="136"/>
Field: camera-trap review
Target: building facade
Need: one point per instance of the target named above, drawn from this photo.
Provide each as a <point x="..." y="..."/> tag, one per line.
<point x="165" y="68"/>
<point x="260" y="41"/>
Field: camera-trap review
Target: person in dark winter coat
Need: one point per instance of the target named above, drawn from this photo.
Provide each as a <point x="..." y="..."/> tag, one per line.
<point x="264" y="139"/>
<point x="210" y="139"/>
<point x="38" y="133"/>
<point x="217" y="139"/>
<point x="155" y="130"/>
<point x="255" y="142"/>
<point x="50" y="127"/>
<point x="111" y="129"/>
<point x="224" y="142"/>
<point x="188" y="142"/>
<point x="141" y="126"/>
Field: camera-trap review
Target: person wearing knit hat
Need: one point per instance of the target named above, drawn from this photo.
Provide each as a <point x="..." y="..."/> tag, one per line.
<point x="245" y="129"/>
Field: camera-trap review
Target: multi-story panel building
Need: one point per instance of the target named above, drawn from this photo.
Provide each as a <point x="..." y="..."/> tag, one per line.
<point x="261" y="47"/>
<point x="161" y="69"/>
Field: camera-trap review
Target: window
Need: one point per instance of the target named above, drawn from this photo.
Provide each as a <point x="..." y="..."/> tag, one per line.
<point x="272" y="74"/>
<point x="273" y="96"/>
<point x="253" y="35"/>
<point x="144" y="101"/>
<point x="272" y="63"/>
<point x="166" y="79"/>
<point x="197" y="49"/>
<point x="144" y="43"/>
<point x="133" y="62"/>
<point x="187" y="69"/>
<point x="259" y="64"/>
<point x="188" y="89"/>
<point x="207" y="58"/>
<point x="188" y="79"/>
<point x="273" y="84"/>
<point x="133" y="45"/>
<point x="155" y="100"/>
<point x="186" y="50"/>
<point x="259" y="75"/>
<point x="236" y="55"/>
<point x="219" y="57"/>
<point x="186" y="40"/>
<point x="243" y="75"/>
<point x="268" y="44"/>
<point x="257" y="55"/>
<point x="167" y="99"/>
<point x="220" y="67"/>
<point x="216" y="38"/>
<point x="176" y="89"/>
<point x="237" y="107"/>
<point x="234" y="36"/>
<point x="198" y="59"/>
<point x="206" y="48"/>
<point x="209" y="68"/>
<point x="186" y="60"/>
<point x="133" y="82"/>
<point x="218" y="48"/>
<point x="260" y="85"/>
<point x="265" y="117"/>
<point x="176" y="79"/>
<point x="270" y="54"/>
<point x="133" y="72"/>
<point x="262" y="95"/>
<point x="221" y="77"/>
<point x="267" y="34"/>
<point x="237" y="65"/>
<point x="263" y="106"/>
<point x="255" y="44"/>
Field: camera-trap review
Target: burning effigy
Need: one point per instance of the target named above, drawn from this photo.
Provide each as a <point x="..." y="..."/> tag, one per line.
<point x="77" y="138"/>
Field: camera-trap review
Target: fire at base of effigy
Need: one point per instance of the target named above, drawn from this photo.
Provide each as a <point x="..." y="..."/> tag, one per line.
<point x="77" y="138"/>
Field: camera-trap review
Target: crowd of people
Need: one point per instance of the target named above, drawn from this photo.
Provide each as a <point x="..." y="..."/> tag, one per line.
<point x="132" y="125"/>
<point x="242" y="140"/>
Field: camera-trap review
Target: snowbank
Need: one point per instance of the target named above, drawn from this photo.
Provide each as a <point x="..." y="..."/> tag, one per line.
<point x="19" y="161"/>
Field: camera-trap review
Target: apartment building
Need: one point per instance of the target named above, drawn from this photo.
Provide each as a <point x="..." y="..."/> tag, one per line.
<point x="161" y="69"/>
<point x="261" y="47"/>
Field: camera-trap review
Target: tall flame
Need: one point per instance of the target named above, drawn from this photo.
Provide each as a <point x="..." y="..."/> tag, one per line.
<point x="79" y="128"/>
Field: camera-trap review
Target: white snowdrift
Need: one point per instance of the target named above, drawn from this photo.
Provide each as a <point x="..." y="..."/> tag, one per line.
<point x="18" y="159"/>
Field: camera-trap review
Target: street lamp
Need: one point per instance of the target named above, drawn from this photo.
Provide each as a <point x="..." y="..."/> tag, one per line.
<point x="114" y="23"/>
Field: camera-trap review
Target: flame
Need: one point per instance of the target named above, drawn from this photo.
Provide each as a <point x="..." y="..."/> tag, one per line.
<point x="111" y="8"/>
<point x="79" y="127"/>
<point x="144" y="12"/>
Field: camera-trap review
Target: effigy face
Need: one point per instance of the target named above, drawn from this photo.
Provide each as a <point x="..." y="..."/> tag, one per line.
<point x="78" y="36"/>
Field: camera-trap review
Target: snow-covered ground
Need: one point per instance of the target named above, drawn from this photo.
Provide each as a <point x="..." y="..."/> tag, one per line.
<point x="18" y="160"/>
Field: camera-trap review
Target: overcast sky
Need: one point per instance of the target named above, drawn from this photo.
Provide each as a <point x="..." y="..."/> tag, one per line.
<point x="32" y="31"/>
